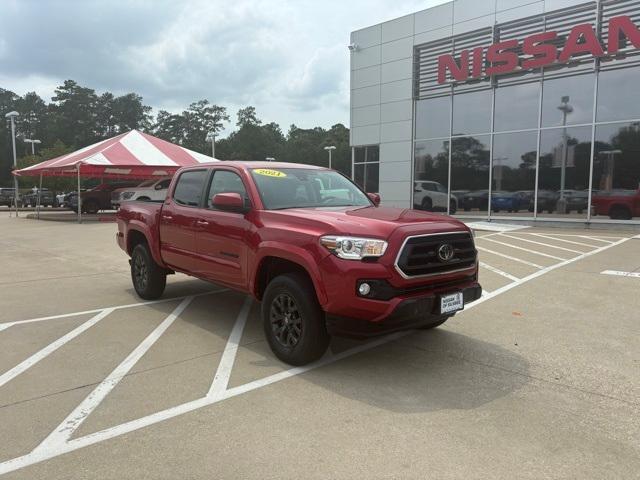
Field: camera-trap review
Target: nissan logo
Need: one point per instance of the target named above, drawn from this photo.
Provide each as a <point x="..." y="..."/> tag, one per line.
<point x="445" y="252"/>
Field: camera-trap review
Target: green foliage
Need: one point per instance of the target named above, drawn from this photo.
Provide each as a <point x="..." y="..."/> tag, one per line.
<point x="77" y="116"/>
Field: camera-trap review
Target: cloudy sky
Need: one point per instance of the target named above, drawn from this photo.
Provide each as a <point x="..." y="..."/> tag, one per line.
<point x="288" y="58"/>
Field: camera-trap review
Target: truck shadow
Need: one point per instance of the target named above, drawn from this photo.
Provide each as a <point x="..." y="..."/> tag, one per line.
<point x="419" y="372"/>
<point x="422" y="371"/>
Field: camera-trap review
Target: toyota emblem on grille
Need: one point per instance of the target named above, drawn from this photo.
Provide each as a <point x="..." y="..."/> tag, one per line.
<point x="445" y="252"/>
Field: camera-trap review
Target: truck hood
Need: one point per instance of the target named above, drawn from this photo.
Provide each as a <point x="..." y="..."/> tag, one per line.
<point x="377" y="222"/>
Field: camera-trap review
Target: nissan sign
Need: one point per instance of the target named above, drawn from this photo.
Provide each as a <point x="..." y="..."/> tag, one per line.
<point x="538" y="50"/>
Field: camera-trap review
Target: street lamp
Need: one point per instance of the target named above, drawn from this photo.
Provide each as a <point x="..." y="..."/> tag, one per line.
<point x="608" y="175"/>
<point x="33" y="143"/>
<point x="270" y="159"/>
<point x="566" y="109"/>
<point x="330" y="149"/>
<point x="211" y="137"/>
<point x="12" y="116"/>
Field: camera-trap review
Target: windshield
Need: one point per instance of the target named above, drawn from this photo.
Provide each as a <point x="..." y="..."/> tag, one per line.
<point x="304" y="188"/>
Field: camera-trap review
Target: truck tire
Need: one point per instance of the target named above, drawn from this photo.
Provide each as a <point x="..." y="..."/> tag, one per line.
<point x="90" y="206"/>
<point x="148" y="278"/>
<point x="434" y="324"/>
<point x="293" y="321"/>
<point x="620" y="212"/>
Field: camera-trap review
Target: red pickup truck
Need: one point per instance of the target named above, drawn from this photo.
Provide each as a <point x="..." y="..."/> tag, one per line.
<point x="618" y="204"/>
<point x="321" y="255"/>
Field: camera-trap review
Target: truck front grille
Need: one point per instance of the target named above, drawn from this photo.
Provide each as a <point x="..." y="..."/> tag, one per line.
<point x="419" y="255"/>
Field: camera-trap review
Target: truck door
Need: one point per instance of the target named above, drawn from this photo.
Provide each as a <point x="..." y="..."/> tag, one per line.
<point x="178" y="221"/>
<point x="221" y="237"/>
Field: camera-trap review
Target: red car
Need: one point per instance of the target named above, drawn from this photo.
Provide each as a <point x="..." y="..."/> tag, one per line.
<point x="617" y="204"/>
<point x="321" y="255"/>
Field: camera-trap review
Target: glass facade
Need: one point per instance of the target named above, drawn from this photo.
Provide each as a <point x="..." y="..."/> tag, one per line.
<point x="528" y="147"/>
<point x="366" y="168"/>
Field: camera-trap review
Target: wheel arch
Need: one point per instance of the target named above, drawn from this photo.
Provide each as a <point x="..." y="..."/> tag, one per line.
<point x="273" y="264"/>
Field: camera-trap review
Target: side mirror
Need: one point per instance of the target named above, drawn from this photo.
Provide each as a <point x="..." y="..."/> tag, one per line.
<point x="231" y="202"/>
<point x="375" y="198"/>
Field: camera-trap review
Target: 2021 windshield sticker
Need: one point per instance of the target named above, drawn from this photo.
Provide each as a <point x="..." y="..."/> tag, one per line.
<point x="269" y="173"/>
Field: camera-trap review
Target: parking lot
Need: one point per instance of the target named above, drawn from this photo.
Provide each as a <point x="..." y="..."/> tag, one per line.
<point x="540" y="378"/>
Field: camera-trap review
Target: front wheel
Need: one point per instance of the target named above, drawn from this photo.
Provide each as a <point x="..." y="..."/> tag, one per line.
<point x="293" y="321"/>
<point x="149" y="279"/>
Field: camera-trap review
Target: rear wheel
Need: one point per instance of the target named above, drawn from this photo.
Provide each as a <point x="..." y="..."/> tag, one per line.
<point x="453" y="207"/>
<point x="293" y="321"/>
<point x="91" y="207"/>
<point x="619" y="212"/>
<point x="149" y="279"/>
<point x="144" y="199"/>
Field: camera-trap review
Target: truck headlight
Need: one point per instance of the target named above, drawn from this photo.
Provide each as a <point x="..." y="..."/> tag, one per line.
<point x="354" y="248"/>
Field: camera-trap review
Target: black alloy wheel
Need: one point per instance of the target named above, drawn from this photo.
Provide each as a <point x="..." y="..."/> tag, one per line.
<point x="140" y="273"/>
<point x="286" y="321"/>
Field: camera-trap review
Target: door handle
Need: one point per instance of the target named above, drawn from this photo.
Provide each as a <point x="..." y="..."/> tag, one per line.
<point x="167" y="217"/>
<point x="203" y="223"/>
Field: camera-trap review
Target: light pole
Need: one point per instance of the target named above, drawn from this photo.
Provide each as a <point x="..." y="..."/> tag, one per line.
<point x="211" y="137"/>
<point x="330" y="149"/>
<point x="33" y="144"/>
<point x="566" y="109"/>
<point x="270" y="159"/>
<point x="11" y="116"/>
<point x="608" y="179"/>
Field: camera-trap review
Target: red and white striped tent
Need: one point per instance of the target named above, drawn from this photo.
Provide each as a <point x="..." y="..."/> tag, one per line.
<point x="133" y="155"/>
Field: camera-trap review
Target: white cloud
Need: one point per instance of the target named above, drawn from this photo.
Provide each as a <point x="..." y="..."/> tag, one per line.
<point x="287" y="58"/>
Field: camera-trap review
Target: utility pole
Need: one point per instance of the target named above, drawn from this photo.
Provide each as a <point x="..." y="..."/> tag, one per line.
<point x="12" y="116"/>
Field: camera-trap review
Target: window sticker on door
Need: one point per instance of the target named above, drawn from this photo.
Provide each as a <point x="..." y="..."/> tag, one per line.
<point x="269" y="173"/>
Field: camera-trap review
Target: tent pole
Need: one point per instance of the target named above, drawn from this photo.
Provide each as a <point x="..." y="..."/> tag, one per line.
<point x="39" y="193"/>
<point x="79" y="198"/>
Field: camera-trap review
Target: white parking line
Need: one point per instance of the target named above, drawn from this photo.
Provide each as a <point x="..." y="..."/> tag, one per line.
<point x="544" y="244"/>
<point x="53" y="449"/>
<point x="590" y="245"/>
<point x="509" y="257"/>
<point x="621" y="274"/>
<point x="221" y="378"/>
<point x="70" y="424"/>
<point x="97" y="310"/>
<point x="499" y="272"/>
<point x="596" y="238"/>
<point x="52" y="347"/>
<point x="525" y="249"/>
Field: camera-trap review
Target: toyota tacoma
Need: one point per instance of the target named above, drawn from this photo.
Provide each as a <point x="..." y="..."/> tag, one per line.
<point x="321" y="256"/>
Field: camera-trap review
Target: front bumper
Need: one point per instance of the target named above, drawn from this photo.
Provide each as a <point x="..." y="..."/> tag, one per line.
<point x="408" y="314"/>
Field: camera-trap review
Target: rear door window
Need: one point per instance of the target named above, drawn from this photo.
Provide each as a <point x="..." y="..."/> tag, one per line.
<point x="189" y="188"/>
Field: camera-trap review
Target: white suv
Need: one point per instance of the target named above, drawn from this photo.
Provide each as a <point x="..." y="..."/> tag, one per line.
<point x="147" y="190"/>
<point x="433" y="197"/>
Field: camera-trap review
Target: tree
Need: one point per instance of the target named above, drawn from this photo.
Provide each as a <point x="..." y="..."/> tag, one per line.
<point x="74" y="114"/>
<point x="247" y="116"/>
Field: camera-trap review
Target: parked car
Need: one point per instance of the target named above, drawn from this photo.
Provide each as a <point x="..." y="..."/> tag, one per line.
<point x="576" y="200"/>
<point x="47" y="198"/>
<point x="6" y="196"/>
<point x="320" y="264"/>
<point x="433" y="197"/>
<point x="97" y="198"/>
<point x="547" y="200"/>
<point x="617" y="204"/>
<point x="155" y="189"/>
<point x="509" y="201"/>
<point x="477" y="199"/>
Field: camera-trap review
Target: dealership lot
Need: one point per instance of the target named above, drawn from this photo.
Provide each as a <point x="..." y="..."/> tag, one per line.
<point x="540" y="378"/>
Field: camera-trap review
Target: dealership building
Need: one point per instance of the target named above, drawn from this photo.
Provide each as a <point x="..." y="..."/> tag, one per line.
<point x="502" y="109"/>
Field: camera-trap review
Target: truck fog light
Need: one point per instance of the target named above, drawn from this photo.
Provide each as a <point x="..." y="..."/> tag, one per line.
<point x="364" y="289"/>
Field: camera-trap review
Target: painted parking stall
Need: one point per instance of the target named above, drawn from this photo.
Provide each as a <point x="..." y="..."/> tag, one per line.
<point x="526" y="254"/>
